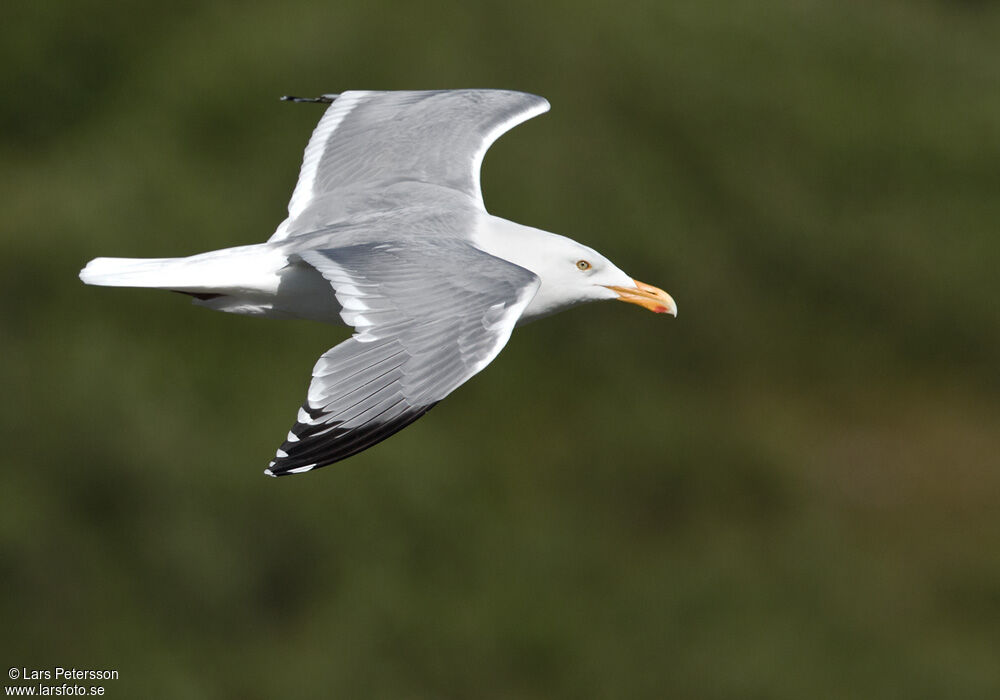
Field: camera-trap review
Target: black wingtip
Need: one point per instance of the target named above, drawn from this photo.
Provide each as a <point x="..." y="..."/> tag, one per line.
<point x="323" y="99"/>
<point x="331" y="445"/>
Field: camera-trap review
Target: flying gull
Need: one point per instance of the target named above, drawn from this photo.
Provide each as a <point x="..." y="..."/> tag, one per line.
<point x="387" y="232"/>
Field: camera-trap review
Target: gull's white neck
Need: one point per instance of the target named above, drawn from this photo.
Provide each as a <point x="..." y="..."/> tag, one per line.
<point x="510" y="241"/>
<point x="532" y="249"/>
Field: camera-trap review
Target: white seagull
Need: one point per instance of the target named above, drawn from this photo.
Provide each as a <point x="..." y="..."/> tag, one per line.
<point x="387" y="232"/>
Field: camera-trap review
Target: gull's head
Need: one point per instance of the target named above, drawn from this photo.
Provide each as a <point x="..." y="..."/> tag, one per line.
<point x="572" y="273"/>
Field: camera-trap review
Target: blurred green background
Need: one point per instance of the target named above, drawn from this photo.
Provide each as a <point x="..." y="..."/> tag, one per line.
<point x="791" y="491"/>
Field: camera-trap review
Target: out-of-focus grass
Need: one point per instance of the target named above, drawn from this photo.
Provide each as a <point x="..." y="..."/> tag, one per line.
<point x="790" y="491"/>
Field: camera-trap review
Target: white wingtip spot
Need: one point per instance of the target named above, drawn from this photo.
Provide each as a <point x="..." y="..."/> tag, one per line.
<point x="270" y="473"/>
<point x="300" y="470"/>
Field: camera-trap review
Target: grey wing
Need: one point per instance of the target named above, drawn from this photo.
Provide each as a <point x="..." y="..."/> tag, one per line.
<point x="428" y="315"/>
<point x="367" y="144"/>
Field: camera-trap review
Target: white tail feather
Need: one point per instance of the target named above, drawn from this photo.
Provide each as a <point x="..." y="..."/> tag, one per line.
<point x="133" y="272"/>
<point x="246" y="268"/>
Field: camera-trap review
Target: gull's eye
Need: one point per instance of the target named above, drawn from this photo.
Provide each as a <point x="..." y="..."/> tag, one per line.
<point x="582" y="265"/>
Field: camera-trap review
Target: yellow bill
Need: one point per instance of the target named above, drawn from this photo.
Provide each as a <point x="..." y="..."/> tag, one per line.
<point x="647" y="296"/>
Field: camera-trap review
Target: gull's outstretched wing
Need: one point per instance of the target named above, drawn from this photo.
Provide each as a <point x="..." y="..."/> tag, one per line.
<point x="427" y="315"/>
<point x="368" y="142"/>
